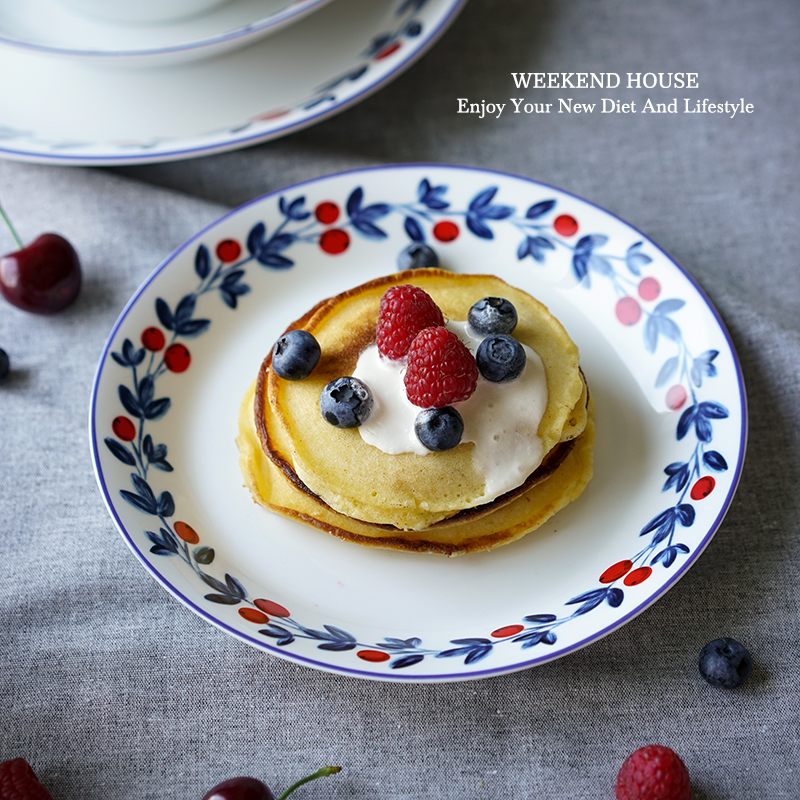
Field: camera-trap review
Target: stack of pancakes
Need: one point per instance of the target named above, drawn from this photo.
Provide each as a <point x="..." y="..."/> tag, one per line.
<point x="298" y="465"/>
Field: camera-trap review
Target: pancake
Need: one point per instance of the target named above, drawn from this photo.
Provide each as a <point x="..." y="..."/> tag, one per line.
<point x="405" y="490"/>
<point x="298" y="465"/>
<point x="273" y="489"/>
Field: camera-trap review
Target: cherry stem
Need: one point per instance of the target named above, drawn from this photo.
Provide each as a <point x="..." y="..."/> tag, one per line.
<point x="19" y="241"/>
<point x="320" y="773"/>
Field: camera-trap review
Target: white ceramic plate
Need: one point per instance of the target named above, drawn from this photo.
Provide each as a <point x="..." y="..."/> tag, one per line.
<point x="66" y="111"/>
<point x="671" y="423"/>
<point x="51" y="28"/>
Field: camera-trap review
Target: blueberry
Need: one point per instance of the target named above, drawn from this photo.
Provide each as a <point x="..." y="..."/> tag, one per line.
<point x="5" y="364"/>
<point x="725" y="662"/>
<point x="500" y="358"/>
<point x="417" y="256"/>
<point x="493" y="315"/>
<point x="439" y="428"/>
<point x="295" y="355"/>
<point x="346" y="402"/>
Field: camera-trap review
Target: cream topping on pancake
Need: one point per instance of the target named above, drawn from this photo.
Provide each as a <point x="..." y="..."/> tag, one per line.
<point x="501" y="419"/>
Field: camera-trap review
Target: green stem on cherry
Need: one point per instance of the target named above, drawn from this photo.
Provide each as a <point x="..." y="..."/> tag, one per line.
<point x="19" y="241"/>
<point x="320" y="773"/>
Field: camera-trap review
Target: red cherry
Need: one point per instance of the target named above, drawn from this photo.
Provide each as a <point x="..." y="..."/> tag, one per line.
<point x="240" y="789"/>
<point x="334" y="241"/>
<point x="507" y="630"/>
<point x="616" y="571"/>
<point x="628" y="311"/>
<point x="124" y="429"/>
<point x="565" y="225"/>
<point x="703" y="488"/>
<point x="186" y="532"/>
<point x="153" y="338"/>
<point x="327" y="212"/>
<point x="253" y="615"/>
<point x="373" y="656"/>
<point x="177" y="358"/>
<point x="637" y="576"/>
<point x="387" y="51"/>
<point x="445" y="231"/>
<point x="273" y="609"/>
<point x="649" y="288"/>
<point x="676" y="397"/>
<point x="42" y="278"/>
<point x="228" y="250"/>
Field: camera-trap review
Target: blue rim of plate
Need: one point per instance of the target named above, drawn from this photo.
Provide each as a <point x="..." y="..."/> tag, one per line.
<point x="263" y="25"/>
<point x="468" y="649"/>
<point x="234" y="136"/>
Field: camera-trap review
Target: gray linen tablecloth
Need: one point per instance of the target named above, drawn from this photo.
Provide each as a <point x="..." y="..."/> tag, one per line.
<point x="113" y="689"/>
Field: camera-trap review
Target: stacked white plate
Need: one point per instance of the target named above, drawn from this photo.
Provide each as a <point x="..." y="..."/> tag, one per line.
<point x="87" y="91"/>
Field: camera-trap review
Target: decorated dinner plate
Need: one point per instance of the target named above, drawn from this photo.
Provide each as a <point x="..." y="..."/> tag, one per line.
<point x="76" y="111"/>
<point x="671" y="427"/>
<point x="52" y="27"/>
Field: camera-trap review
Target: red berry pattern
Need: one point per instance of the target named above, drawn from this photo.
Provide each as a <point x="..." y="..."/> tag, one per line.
<point x="177" y="358"/>
<point x="334" y="241"/>
<point x="404" y="311"/>
<point x="565" y="225"/>
<point x="186" y="532"/>
<point x="327" y="213"/>
<point x="703" y="488"/>
<point x="153" y="338"/>
<point x="228" y="250"/>
<point x="653" y="772"/>
<point x="18" y="781"/>
<point x="440" y="370"/>
<point x="123" y="429"/>
<point x="676" y="397"/>
<point x="628" y="311"/>
<point x="649" y="288"/>
<point x="445" y="231"/>
<point x="616" y="571"/>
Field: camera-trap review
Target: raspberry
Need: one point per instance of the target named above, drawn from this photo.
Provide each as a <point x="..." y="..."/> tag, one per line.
<point x="404" y="311"/>
<point x="440" y="370"/>
<point x="19" y="782"/>
<point x="653" y="773"/>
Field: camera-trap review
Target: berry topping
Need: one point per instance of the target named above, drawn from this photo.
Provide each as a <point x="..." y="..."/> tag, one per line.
<point x="19" y="782"/>
<point x="500" y="358"/>
<point x="493" y="315"/>
<point x="725" y="662"/>
<point x="417" y="256"/>
<point x="653" y="772"/>
<point x="440" y="370"/>
<point x="295" y="355"/>
<point x="404" y="312"/>
<point x="439" y="428"/>
<point x="5" y="364"/>
<point x="346" y="402"/>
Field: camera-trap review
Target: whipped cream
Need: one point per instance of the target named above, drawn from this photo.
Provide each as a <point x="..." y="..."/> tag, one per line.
<point x="501" y="419"/>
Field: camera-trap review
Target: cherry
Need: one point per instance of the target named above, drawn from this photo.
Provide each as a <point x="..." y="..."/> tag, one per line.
<point x="240" y="789"/>
<point x="676" y="397"/>
<point x="42" y="278"/>
<point x="253" y="789"/>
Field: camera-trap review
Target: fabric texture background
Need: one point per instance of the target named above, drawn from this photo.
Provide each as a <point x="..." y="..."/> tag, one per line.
<point x="113" y="689"/>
